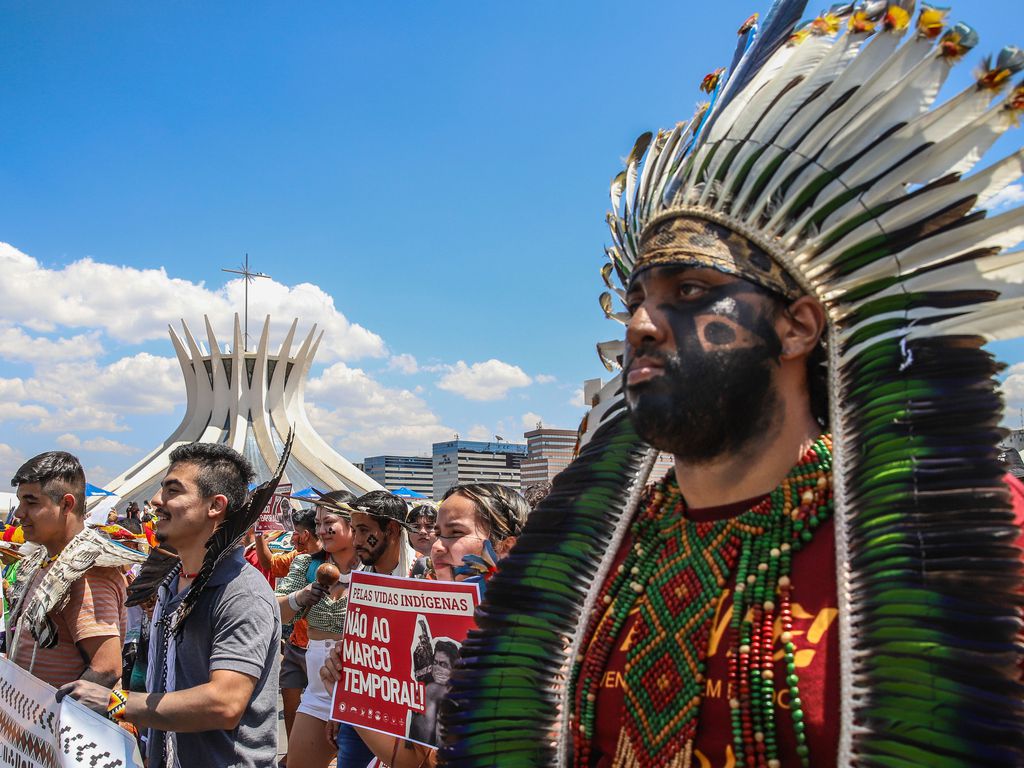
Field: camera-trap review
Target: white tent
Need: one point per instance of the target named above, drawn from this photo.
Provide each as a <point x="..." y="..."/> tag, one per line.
<point x="98" y="512"/>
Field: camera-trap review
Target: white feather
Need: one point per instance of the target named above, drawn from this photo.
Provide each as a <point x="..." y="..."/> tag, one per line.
<point x="1003" y="231"/>
<point x="871" y="87"/>
<point x="929" y="128"/>
<point x="924" y="205"/>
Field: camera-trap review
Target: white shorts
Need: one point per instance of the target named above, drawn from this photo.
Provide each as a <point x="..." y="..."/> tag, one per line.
<point x="316" y="699"/>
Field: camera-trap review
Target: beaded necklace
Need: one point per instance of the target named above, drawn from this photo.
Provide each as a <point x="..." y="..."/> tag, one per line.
<point x="673" y="577"/>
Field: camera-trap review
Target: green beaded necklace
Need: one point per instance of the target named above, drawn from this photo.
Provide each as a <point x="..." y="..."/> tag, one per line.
<point x="673" y="576"/>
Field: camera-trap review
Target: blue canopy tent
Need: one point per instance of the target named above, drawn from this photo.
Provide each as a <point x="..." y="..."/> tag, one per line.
<point x="406" y="493"/>
<point x="105" y="501"/>
<point x="95" y="490"/>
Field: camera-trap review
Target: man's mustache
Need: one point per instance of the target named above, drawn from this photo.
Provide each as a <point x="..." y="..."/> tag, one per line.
<point x="667" y="361"/>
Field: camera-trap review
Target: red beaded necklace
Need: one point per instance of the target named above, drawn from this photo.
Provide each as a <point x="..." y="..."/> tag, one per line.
<point x="672" y="578"/>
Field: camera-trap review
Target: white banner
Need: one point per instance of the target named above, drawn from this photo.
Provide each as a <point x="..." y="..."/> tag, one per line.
<point x="37" y="732"/>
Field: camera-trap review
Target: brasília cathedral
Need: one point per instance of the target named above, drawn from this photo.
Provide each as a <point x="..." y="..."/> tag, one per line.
<point x="248" y="399"/>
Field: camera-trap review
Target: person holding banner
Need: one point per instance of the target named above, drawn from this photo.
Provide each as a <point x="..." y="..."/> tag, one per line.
<point x="67" y="619"/>
<point x="477" y="525"/>
<point x="214" y="652"/>
<point x="302" y="595"/>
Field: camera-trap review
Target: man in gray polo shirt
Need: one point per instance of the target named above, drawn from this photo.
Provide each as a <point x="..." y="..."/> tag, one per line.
<point x="213" y="684"/>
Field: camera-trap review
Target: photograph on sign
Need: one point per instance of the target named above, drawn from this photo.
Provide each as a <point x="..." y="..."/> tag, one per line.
<point x="402" y="638"/>
<point x="277" y="515"/>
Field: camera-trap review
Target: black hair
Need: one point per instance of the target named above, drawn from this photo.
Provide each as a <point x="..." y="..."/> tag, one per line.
<point x="222" y="470"/>
<point x="305" y="519"/>
<point x="58" y="473"/>
<point x="421" y="510"/>
<point x="536" y="493"/>
<point x="383" y="507"/>
<point x="449" y="647"/>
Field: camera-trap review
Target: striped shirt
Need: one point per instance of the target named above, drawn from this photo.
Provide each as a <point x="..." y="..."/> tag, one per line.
<point x="95" y="608"/>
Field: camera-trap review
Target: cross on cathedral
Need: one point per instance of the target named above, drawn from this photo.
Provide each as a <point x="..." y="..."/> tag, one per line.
<point x="249" y="276"/>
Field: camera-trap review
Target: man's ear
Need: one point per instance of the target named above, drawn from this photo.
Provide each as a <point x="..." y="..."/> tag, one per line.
<point x="67" y="503"/>
<point x="218" y="506"/>
<point x="800" y="326"/>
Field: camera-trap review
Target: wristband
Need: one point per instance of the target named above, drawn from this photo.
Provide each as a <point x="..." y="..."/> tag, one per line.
<point x="118" y="704"/>
<point x="293" y="602"/>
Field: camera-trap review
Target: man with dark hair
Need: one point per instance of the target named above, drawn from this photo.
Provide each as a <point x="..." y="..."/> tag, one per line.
<point x="378" y="532"/>
<point x="88" y="630"/>
<point x="212" y="672"/>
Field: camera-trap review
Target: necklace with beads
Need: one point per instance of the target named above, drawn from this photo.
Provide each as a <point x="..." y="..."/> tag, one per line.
<point x="672" y="578"/>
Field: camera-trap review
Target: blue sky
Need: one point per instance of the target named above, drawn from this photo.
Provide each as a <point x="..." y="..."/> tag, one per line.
<point x="429" y="180"/>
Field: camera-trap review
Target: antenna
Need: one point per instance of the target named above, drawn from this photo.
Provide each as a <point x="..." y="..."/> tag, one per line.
<point x="248" y="276"/>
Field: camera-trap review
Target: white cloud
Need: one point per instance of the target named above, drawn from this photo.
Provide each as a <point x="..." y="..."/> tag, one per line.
<point x="10" y="459"/>
<point x="404" y="363"/>
<point x="479" y="432"/>
<point x="1006" y="198"/>
<point x="141" y="383"/>
<point x="135" y="305"/>
<point x="530" y="420"/>
<point x="543" y="378"/>
<point x="490" y="380"/>
<point x="18" y="346"/>
<point x="1013" y="389"/>
<point x="99" y="444"/>
<point x="362" y="417"/>
<point x="577" y="400"/>
<point x="86" y="396"/>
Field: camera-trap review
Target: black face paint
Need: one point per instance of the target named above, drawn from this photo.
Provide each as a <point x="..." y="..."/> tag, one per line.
<point x="371" y="540"/>
<point x="717" y="391"/>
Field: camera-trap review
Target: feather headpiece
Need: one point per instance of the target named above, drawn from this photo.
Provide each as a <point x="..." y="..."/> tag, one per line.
<point x="823" y="149"/>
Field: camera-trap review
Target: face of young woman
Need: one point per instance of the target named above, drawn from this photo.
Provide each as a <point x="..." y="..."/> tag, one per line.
<point x="422" y="537"/>
<point x="333" y="530"/>
<point x="459" y="533"/>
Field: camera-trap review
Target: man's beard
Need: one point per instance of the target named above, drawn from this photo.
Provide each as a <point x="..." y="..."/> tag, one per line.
<point x="712" y="405"/>
<point x="374" y="552"/>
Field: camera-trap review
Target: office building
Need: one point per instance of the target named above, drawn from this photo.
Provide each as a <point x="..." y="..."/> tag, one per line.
<point x="549" y="451"/>
<point x="413" y="472"/>
<point x="470" y="461"/>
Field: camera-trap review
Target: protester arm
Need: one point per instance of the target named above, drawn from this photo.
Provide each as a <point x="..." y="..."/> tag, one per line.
<point x="396" y="752"/>
<point x="216" y="705"/>
<point x="295" y="586"/>
<point x="263" y="554"/>
<point x="105" y="661"/>
<point x="281" y="564"/>
<point x="96" y="621"/>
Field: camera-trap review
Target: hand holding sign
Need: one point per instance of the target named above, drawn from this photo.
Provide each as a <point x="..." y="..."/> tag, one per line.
<point x="402" y="638"/>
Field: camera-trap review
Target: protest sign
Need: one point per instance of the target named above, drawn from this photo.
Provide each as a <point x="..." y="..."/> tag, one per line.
<point x="402" y="638"/>
<point x="37" y="732"/>
<point x="276" y="516"/>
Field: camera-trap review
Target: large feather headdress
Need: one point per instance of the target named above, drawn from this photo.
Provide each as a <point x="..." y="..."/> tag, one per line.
<point x="823" y="146"/>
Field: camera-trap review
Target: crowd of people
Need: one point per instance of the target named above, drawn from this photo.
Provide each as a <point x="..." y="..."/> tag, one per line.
<point x="200" y="686"/>
<point x="829" y="574"/>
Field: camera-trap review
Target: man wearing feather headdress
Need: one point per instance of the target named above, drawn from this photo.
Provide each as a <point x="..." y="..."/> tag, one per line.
<point x="214" y="656"/>
<point x="68" y="616"/>
<point x="761" y="606"/>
